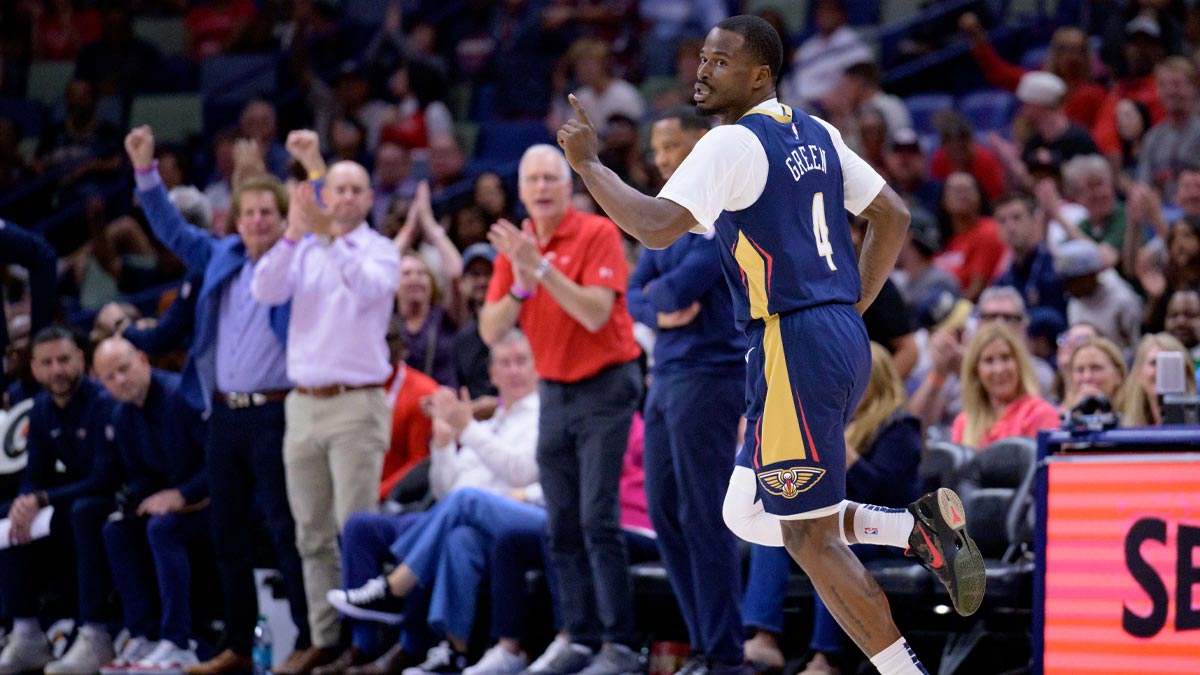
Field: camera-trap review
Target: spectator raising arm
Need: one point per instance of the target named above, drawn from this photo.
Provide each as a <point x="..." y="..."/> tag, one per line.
<point x="192" y="245"/>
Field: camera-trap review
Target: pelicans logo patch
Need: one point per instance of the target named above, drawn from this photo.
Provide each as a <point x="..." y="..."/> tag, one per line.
<point x="788" y="483"/>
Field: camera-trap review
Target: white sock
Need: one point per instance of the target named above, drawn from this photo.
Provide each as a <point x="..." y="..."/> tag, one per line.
<point x="882" y="525"/>
<point x="26" y="627"/>
<point x="97" y="629"/>
<point x="898" y="659"/>
<point x="842" y="521"/>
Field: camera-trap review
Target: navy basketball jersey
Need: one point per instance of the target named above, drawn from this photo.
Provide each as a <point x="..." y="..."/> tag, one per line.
<point x="790" y="249"/>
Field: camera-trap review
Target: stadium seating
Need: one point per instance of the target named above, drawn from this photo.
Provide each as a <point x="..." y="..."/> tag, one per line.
<point x="174" y="117"/>
<point x="28" y="115"/>
<point x="48" y="80"/>
<point x="923" y="107"/>
<point x="240" y="76"/>
<point x="988" y="110"/>
<point x="165" y="33"/>
<point x="501" y="141"/>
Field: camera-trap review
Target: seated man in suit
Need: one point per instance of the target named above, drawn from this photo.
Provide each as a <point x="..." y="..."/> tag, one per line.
<point x="69" y="426"/>
<point x="165" y="514"/>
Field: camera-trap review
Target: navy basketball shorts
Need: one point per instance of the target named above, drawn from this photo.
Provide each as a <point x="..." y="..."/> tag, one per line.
<point x="806" y="372"/>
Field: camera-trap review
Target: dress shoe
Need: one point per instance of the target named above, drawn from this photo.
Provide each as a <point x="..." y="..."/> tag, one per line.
<point x="393" y="662"/>
<point x="347" y="659"/>
<point x="303" y="661"/>
<point x="224" y="663"/>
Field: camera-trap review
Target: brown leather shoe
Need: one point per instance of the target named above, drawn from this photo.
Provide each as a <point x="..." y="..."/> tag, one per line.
<point x="351" y="657"/>
<point x="393" y="662"/>
<point x="303" y="661"/>
<point x="222" y="664"/>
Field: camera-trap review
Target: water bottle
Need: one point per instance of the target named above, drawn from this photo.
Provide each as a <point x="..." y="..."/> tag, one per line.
<point x="262" y="647"/>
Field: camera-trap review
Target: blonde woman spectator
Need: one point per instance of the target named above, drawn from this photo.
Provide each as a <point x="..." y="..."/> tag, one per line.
<point x="1097" y="369"/>
<point x="999" y="390"/>
<point x="1138" y="398"/>
<point x="1068" y="342"/>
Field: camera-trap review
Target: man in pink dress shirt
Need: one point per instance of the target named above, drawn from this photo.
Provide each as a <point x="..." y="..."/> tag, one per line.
<point x="340" y="276"/>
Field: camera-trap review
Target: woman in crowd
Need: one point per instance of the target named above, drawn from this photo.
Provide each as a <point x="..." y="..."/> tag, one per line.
<point x="1182" y="270"/>
<point x="428" y="331"/>
<point x="974" y="250"/>
<point x="883" y="449"/>
<point x="1068" y="342"/>
<point x="1097" y="369"/>
<point x="1138" y="398"/>
<point x="999" y="390"/>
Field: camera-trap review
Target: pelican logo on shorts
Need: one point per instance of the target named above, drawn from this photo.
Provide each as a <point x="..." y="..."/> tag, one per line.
<point x="788" y="483"/>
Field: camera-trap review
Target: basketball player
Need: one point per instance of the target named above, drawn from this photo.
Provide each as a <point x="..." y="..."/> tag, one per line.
<point x="775" y="184"/>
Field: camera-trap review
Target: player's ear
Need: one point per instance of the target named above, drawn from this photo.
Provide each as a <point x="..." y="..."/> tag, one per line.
<point x="762" y="77"/>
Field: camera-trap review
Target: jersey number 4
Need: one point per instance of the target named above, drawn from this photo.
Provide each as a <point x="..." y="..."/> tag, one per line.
<point x="821" y="230"/>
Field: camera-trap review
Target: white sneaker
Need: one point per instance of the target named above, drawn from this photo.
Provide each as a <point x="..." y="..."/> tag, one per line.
<point x="498" y="661"/>
<point x="166" y="658"/>
<point x="92" y="648"/>
<point x="135" y="649"/>
<point x="24" y="653"/>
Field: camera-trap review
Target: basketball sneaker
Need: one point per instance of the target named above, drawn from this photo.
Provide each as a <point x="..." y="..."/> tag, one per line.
<point x="939" y="540"/>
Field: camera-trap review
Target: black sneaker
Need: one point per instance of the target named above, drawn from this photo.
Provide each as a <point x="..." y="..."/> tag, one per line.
<point x="372" y="601"/>
<point x="939" y="540"/>
<point x="440" y="660"/>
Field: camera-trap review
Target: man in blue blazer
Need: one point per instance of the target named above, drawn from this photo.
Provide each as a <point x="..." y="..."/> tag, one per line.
<point x="237" y="373"/>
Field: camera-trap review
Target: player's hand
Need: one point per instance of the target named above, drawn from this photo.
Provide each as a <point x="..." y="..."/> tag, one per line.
<point x="578" y="137"/>
<point x="139" y="145"/>
<point x="305" y="147"/>
<point x="680" y="317"/>
<point x="161" y="503"/>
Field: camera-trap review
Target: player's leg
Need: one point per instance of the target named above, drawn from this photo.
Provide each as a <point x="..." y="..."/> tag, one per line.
<point x="816" y="365"/>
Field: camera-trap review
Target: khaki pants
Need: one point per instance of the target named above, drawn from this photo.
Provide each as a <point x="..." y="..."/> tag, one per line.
<point x="333" y="456"/>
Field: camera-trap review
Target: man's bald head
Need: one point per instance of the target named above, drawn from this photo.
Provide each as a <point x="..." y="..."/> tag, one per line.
<point x="348" y="194"/>
<point x="123" y="369"/>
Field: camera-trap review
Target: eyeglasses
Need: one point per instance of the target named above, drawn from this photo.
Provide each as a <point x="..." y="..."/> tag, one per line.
<point x="1065" y="341"/>
<point x="1002" y="316"/>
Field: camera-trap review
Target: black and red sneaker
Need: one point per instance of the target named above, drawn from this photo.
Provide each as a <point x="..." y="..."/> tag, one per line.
<point x="939" y="540"/>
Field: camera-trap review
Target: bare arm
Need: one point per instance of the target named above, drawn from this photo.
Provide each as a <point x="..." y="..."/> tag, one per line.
<point x="497" y="318"/>
<point x="887" y="223"/>
<point x="653" y="221"/>
<point x="591" y="306"/>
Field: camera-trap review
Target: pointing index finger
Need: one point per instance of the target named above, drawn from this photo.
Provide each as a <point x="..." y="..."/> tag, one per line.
<point x="579" y="111"/>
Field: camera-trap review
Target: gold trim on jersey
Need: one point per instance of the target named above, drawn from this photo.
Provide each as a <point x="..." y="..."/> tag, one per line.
<point x="786" y="118"/>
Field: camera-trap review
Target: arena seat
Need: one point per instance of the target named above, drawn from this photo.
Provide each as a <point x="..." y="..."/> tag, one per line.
<point x="165" y="33"/>
<point x="501" y="141"/>
<point x="923" y="107"/>
<point x="29" y="116"/>
<point x="48" y="80"/>
<point x="175" y="117"/>
<point x="1035" y="57"/>
<point x="990" y="110"/>
<point x="240" y="76"/>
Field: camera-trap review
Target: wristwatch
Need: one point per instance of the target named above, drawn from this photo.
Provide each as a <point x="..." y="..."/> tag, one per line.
<point x="542" y="268"/>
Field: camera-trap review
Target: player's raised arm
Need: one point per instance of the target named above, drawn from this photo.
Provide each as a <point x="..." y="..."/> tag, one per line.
<point x="887" y="222"/>
<point x="653" y="221"/>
